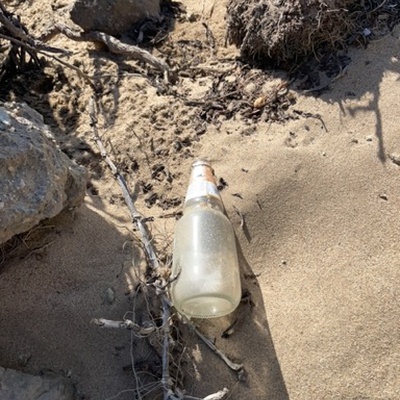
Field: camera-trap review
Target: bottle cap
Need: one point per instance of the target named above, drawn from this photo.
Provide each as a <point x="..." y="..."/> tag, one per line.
<point x="202" y="181"/>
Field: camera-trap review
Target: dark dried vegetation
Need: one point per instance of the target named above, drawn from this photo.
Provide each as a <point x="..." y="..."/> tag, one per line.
<point x="285" y="32"/>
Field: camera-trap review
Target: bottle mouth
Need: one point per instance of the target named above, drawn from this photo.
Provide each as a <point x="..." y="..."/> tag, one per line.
<point x="201" y="162"/>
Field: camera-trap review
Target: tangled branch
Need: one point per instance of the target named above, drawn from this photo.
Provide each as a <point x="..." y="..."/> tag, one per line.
<point x="160" y="283"/>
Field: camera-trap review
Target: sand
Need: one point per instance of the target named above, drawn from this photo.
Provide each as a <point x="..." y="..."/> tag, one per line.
<point x="320" y="249"/>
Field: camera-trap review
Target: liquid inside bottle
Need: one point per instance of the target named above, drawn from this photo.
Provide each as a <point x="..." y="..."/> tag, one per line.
<point x="205" y="257"/>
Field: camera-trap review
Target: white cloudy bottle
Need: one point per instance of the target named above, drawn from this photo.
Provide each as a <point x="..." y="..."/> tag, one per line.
<point x="205" y="257"/>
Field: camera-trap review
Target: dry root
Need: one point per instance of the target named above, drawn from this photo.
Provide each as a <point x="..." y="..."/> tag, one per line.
<point x="286" y="31"/>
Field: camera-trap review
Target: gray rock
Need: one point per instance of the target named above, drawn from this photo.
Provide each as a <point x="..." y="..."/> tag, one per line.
<point x="112" y="16"/>
<point x="16" y="385"/>
<point x="37" y="180"/>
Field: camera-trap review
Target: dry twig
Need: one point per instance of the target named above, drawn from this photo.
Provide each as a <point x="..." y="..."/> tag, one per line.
<point x="22" y="43"/>
<point x="141" y="331"/>
<point x="148" y="244"/>
<point x="18" y="31"/>
<point x="160" y="284"/>
<point x="136" y="216"/>
<point x="233" y="366"/>
<point x="215" y="396"/>
<point x="210" y="39"/>
<point x="241" y="215"/>
<point x="113" y="44"/>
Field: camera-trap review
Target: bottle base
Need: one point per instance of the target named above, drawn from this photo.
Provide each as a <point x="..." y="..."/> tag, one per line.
<point x="209" y="306"/>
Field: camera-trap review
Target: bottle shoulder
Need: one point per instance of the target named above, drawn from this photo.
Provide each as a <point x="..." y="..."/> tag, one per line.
<point x="204" y="212"/>
<point x="204" y="203"/>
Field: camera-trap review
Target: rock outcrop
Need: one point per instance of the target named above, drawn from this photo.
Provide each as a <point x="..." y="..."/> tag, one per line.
<point x="37" y="180"/>
<point x="113" y="17"/>
<point x="18" y="385"/>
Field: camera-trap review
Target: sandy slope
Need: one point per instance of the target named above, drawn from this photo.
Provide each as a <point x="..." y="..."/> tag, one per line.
<point x="320" y="249"/>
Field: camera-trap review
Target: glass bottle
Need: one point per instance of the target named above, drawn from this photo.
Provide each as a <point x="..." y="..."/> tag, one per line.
<point x="205" y="258"/>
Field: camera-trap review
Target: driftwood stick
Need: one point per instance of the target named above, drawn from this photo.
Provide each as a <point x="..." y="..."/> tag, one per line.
<point x="11" y="27"/>
<point x="113" y="44"/>
<point x="210" y="38"/>
<point x="136" y="216"/>
<point x="126" y="324"/>
<point x="19" y="36"/>
<point x="135" y="52"/>
<point x="33" y="50"/>
<point x="87" y="78"/>
<point x="151" y="255"/>
<point x="165" y="380"/>
<point x="22" y="37"/>
<point x="215" y="396"/>
<point x="19" y="42"/>
<point x="235" y="367"/>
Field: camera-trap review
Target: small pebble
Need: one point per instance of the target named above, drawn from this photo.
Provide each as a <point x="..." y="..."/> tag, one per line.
<point x="260" y="102"/>
<point x="395" y="158"/>
<point x="367" y="32"/>
<point x="4" y="118"/>
<point x="23" y="359"/>
<point x="369" y="138"/>
<point x="192" y="17"/>
<point x="383" y="196"/>
<point x="230" y="79"/>
<point x="108" y="296"/>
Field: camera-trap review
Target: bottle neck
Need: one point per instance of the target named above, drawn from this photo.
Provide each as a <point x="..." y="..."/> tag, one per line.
<point x="204" y="201"/>
<point x="202" y="190"/>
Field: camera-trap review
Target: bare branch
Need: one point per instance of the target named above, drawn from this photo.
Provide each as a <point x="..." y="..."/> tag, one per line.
<point x="25" y="39"/>
<point x="126" y="324"/>
<point x="136" y="216"/>
<point x="235" y="367"/>
<point x="215" y="396"/>
<point x="140" y="222"/>
<point x="18" y="35"/>
<point x="14" y="30"/>
<point x="113" y="44"/>
<point x="165" y="380"/>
